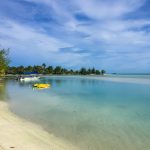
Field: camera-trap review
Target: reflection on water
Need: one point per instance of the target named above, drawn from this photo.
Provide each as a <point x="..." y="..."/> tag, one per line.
<point x="91" y="114"/>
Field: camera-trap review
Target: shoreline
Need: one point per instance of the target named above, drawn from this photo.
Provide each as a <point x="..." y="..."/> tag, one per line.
<point x="19" y="134"/>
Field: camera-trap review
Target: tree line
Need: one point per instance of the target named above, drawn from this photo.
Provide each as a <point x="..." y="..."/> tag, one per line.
<point x="58" y="70"/>
<point x="41" y="69"/>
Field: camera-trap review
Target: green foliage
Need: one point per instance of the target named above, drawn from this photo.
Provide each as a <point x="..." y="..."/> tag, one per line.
<point x="4" y="61"/>
<point x="93" y="71"/>
<point x="49" y="70"/>
<point x="58" y="70"/>
<point x="83" y="71"/>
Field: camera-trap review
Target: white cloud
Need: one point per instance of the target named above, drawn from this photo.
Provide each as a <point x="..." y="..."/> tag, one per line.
<point x="98" y="9"/>
<point x="21" y="34"/>
<point x="26" y="42"/>
<point x="108" y="9"/>
<point x="109" y="27"/>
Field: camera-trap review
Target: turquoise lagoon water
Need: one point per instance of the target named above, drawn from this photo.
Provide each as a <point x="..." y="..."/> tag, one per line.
<point x="92" y="114"/>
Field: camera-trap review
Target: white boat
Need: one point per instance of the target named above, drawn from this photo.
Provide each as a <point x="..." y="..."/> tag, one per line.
<point x="26" y="79"/>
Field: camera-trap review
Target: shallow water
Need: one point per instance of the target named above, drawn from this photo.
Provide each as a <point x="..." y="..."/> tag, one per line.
<point x="90" y="113"/>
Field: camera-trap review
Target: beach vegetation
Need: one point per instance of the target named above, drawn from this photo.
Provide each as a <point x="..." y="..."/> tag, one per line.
<point x="58" y="70"/>
<point x="4" y="61"/>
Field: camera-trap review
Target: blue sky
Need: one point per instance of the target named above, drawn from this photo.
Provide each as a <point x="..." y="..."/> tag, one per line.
<point x="107" y="34"/>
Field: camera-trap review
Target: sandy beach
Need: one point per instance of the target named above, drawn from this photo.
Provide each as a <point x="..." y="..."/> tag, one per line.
<point x="19" y="134"/>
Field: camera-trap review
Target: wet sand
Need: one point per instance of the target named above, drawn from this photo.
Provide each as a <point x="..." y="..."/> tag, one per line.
<point x="18" y="134"/>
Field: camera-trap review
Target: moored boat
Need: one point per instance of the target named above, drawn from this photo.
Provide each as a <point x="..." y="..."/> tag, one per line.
<point x="28" y="78"/>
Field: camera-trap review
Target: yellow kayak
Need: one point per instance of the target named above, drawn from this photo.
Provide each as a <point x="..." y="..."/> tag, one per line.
<point x="41" y="86"/>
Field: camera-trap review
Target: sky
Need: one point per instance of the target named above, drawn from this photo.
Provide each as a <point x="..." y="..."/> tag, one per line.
<point x="106" y="34"/>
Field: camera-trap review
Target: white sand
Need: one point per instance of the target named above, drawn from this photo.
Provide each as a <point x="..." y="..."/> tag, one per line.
<point x="18" y="134"/>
